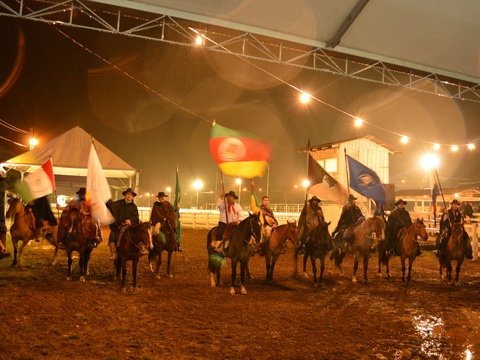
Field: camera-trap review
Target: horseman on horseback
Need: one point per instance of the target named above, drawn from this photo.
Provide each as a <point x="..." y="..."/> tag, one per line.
<point x="399" y="220"/>
<point x="125" y="212"/>
<point x="268" y="220"/>
<point x="351" y="213"/>
<point x="40" y="215"/>
<point x="450" y="217"/>
<point x="162" y="210"/>
<point x="231" y="214"/>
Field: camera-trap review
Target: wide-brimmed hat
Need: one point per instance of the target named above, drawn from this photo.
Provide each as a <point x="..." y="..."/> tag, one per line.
<point x="82" y="191"/>
<point x="314" y="198"/>
<point x="351" y="197"/>
<point x="454" y="201"/>
<point x="129" y="190"/>
<point x="400" y="201"/>
<point x="161" y="193"/>
<point x="232" y="193"/>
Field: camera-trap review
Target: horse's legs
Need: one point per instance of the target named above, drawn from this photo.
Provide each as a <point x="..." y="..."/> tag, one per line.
<point x="234" y="275"/>
<point x="449" y="271"/>
<point x="169" y="261"/>
<point x="81" y="264"/>
<point x="134" y="273"/>
<point x="457" y="270"/>
<point x="268" y="265"/>
<point x="314" y="269"/>
<point x="69" y="268"/>
<point x="52" y="239"/>
<point x="243" y="269"/>
<point x="322" y="268"/>
<point x="402" y="261"/>
<point x="410" y="264"/>
<point x="305" y="258"/>
<point x="365" y="267"/>
<point x="355" y="268"/>
<point x="15" y="251"/>
<point x="272" y="268"/>
<point x="159" y="264"/>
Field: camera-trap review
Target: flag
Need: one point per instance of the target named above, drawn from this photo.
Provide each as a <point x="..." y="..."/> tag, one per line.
<point x="323" y="185"/>
<point x="435" y="193"/>
<point x="98" y="190"/>
<point x="178" y="192"/>
<point x="239" y="153"/>
<point x="254" y="204"/>
<point x="365" y="181"/>
<point x="37" y="184"/>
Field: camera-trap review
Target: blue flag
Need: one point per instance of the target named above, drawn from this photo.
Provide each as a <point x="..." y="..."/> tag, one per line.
<point x="365" y="181"/>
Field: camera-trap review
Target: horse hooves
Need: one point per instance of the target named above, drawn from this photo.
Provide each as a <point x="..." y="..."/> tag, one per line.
<point x="82" y="278"/>
<point x="123" y="289"/>
<point x="170" y="276"/>
<point x="232" y="291"/>
<point x="158" y="276"/>
<point x="243" y="291"/>
<point x="354" y="280"/>
<point x="315" y="285"/>
<point x="212" y="284"/>
<point x="249" y="277"/>
<point x="69" y="278"/>
<point x="305" y="275"/>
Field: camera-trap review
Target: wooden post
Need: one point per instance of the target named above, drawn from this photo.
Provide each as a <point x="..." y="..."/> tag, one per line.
<point x="475" y="240"/>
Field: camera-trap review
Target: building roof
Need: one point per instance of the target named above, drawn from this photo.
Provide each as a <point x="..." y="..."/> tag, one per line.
<point x="335" y="144"/>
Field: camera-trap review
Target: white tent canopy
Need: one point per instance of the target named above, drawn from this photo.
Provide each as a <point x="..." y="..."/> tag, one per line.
<point x="69" y="153"/>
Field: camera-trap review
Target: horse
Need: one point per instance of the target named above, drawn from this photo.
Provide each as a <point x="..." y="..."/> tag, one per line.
<point x="366" y="236"/>
<point x="78" y="233"/>
<point x="3" y="241"/>
<point x="407" y="246"/>
<point x="317" y="247"/>
<point x="132" y="241"/>
<point x="455" y="251"/>
<point x="244" y="243"/>
<point x="165" y="240"/>
<point x="23" y="229"/>
<point x="275" y="245"/>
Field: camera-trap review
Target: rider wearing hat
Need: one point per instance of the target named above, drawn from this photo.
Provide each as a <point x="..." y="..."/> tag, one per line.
<point x="350" y="214"/>
<point x="310" y="217"/>
<point x="449" y="217"/>
<point x="230" y="213"/>
<point x="161" y="209"/>
<point x="125" y="212"/>
<point x="399" y="218"/>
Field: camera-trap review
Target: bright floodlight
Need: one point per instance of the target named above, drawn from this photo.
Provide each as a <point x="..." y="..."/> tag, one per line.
<point x="198" y="184"/>
<point x="471" y="146"/>
<point x="305" y="183"/>
<point x="436" y="147"/>
<point x="430" y="161"/>
<point x="358" y="122"/>
<point x="404" y="140"/>
<point x="238" y="181"/>
<point x="169" y="189"/>
<point x="33" y="142"/>
<point x="454" y="148"/>
<point x="198" y="40"/>
<point x="305" y="97"/>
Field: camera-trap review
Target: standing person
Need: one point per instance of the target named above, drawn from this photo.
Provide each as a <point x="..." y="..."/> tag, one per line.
<point x="452" y="216"/>
<point x="125" y="212"/>
<point x="161" y="211"/>
<point x="468" y="211"/>
<point x="399" y="218"/>
<point x="230" y="215"/>
<point x="350" y="214"/>
<point x="310" y="217"/>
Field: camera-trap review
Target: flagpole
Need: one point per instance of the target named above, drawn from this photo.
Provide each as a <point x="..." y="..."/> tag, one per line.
<point x="346" y="171"/>
<point x="224" y="198"/>
<point x="308" y="168"/>
<point x="440" y="188"/>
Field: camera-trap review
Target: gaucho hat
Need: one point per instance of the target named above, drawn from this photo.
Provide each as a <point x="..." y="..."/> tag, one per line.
<point x="82" y="191"/>
<point x="231" y="193"/>
<point x="129" y="190"/>
<point x="454" y="201"/>
<point x="162" y="194"/>
<point x="401" y="201"/>
<point x="314" y="198"/>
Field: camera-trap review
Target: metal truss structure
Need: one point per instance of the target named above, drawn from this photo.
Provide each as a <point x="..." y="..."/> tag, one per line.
<point x="158" y="27"/>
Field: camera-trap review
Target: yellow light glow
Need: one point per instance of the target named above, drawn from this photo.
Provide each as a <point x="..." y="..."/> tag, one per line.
<point x="305" y="97"/>
<point x="471" y="146"/>
<point x="33" y="142"/>
<point x="358" y="122"/>
<point x="198" y="184"/>
<point x="454" y="148"/>
<point x="430" y="161"/>
<point x="305" y="183"/>
<point x="238" y="181"/>
<point x="198" y="40"/>
<point x="404" y="140"/>
<point x="436" y="147"/>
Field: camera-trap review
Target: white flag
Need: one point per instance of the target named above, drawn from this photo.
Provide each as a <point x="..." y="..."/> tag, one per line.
<point x="98" y="190"/>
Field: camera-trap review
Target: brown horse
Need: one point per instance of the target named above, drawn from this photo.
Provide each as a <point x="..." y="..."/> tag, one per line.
<point x="165" y="240"/>
<point x="81" y="234"/>
<point x="407" y="246"/>
<point x="3" y="241"/>
<point x="275" y="245"/>
<point x="23" y="229"/>
<point x="455" y="251"/>
<point x="133" y="240"/>
<point x="244" y="243"/>
<point x="317" y="247"/>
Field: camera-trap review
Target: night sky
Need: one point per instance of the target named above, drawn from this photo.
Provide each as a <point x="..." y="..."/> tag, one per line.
<point x="50" y="84"/>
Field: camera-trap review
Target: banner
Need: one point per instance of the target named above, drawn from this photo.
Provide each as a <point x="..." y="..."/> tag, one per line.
<point x="239" y="153"/>
<point x="98" y="190"/>
<point x="365" y="181"/>
<point x="38" y="183"/>
<point x="323" y="185"/>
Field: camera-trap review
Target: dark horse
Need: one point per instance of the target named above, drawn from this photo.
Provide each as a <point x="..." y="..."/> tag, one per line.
<point x="455" y="251"/>
<point x="132" y="241"/>
<point x="243" y="244"/>
<point x="165" y="240"/>
<point x="317" y="247"/>
<point x="23" y="229"/>
<point x="406" y="246"/>
<point x="81" y="234"/>
<point x="3" y="241"/>
<point x="365" y="237"/>
<point x="275" y="245"/>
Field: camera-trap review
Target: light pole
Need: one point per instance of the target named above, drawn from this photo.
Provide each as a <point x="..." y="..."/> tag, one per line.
<point x="239" y="183"/>
<point x="197" y="185"/>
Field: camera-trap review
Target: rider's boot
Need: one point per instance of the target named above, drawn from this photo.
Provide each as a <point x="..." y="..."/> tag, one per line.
<point x="468" y="249"/>
<point x="217" y="245"/>
<point x="113" y="250"/>
<point x="419" y="250"/>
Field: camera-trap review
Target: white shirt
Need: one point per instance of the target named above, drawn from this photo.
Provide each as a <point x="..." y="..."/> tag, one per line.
<point x="235" y="211"/>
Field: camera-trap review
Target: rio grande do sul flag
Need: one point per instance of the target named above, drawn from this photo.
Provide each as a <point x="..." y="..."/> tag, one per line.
<point x="239" y="153"/>
<point x="37" y="184"/>
<point x="98" y="190"/>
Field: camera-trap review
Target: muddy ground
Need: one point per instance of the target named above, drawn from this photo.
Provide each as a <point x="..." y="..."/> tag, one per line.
<point x="44" y="316"/>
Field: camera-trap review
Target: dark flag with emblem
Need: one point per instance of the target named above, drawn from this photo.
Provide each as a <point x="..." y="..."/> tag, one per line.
<point x="365" y="181"/>
<point x="323" y="185"/>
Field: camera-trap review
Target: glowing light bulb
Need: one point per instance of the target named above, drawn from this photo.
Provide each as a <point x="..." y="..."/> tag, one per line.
<point x="358" y="122"/>
<point x="471" y="146"/>
<point x="404" y="140"/>
<point x="305" y="97"/>
<point x="436" y="147"/>
<point x="198" y="40"/>
<point x="454" y="148"/>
